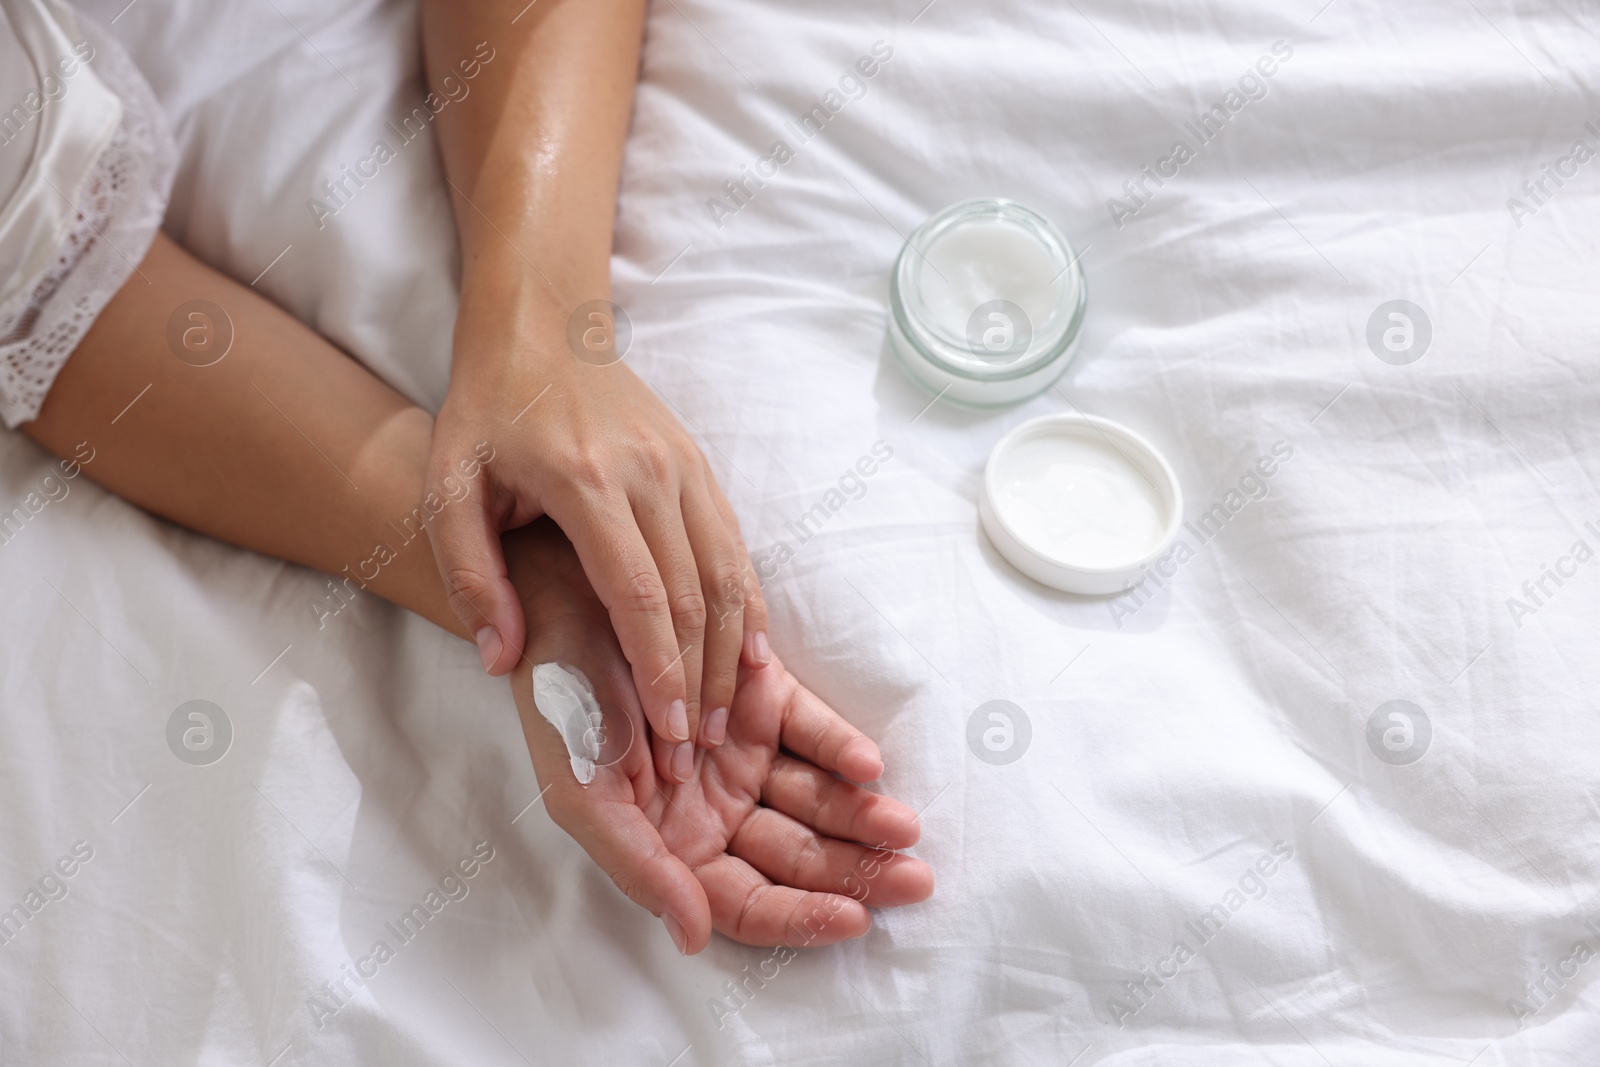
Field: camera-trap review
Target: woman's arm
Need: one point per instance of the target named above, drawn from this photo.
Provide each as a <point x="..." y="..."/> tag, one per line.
<point x="534" y="151"/>
<point x="289" y="447"/>
<point x="533" y="154"/>
<point x="285" y="446"/>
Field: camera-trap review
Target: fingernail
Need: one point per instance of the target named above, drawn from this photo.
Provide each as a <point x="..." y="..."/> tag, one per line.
<point x="678" y="721"/>
<point x="679" y="938"/>
<point x="763" y="650"/>
<point x="683" y="761"/>
<point x="716" y="727"/>
<point x="489" y="646"/>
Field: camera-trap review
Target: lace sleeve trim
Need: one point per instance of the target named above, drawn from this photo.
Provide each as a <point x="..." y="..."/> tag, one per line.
<point x="119" y="213"/>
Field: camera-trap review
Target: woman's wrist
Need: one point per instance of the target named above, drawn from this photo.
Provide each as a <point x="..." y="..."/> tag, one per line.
<point x="521" y="244"/>
<point x="515" y="317"/>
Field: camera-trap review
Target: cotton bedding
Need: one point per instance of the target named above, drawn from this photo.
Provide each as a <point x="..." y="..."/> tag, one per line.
<point x="1321" y="791"/>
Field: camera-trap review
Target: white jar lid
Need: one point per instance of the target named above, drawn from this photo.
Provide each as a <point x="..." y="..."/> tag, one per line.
<point x="1079" y="503"/>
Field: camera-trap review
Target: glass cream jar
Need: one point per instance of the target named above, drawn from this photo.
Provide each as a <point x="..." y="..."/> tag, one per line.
<point x="985" y="303"/>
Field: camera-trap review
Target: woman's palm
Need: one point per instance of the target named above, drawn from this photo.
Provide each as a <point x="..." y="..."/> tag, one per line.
<point x="765" y="842"/>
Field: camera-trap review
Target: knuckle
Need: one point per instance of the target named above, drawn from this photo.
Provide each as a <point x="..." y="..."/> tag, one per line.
<point x="808" y="855"/>
<point x="834" y="740"/>
<point x="752" y="901"/>
<point x="644" y="592"/>
<point x="855" y="822"/>
<point x="655" y="458"/>
<point x="725" y="585"/>
<point x="464" y="583"/>
<point x="689" y="610"/>
<point x="587" y="468"/>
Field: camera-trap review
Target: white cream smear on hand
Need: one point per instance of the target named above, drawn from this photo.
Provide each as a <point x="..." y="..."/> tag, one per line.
<point x="566" y="699"/>
<point x="1074" y="498"/>
<point x="983" y="261"/>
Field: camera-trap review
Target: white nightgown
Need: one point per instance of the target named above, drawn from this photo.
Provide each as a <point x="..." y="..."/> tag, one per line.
<point x="86" y="165"/>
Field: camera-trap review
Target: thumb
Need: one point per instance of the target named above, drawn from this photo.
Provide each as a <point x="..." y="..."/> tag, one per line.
<point x="624" y="844"/>
<point x="604" y="817"/>
<point x="466" y="546"/>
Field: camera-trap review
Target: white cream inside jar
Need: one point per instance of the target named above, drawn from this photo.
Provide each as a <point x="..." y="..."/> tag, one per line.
<point x="987" y="260"/>
<point x="985" y="303"/>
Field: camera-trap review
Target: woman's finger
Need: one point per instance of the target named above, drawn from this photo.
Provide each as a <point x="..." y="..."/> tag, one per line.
<point x="795" y="855"/>
<point x="662" y="523"/>
<point x="466" y="545"/>
<point x="750" y="909"/>
<point x="721" y="563"/>
<point x="836" y="808"/>
<point x="622" y="570"/>
<point x="756" y="650"/>
<point x="815" y="732"/>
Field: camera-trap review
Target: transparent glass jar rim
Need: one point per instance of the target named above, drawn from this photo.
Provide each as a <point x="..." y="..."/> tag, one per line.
<point x="931" y="342"/>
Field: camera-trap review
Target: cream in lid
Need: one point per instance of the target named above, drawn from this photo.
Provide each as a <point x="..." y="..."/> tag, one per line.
<point x="1079" y="503"/>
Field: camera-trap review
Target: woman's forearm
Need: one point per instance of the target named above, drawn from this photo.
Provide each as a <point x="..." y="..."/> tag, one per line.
<point x="285" y="445"/>
<point x="533" y="154"/>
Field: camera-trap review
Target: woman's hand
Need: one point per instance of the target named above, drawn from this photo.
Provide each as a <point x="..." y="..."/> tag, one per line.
<point x="602" y="456"/>
<point x="533" y="104"/>
<point x="765" y="842"/>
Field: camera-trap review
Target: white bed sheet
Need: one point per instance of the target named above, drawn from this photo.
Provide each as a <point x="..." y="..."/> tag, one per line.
<point x="1172" y="746"/>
